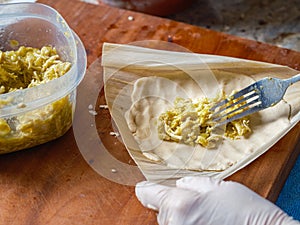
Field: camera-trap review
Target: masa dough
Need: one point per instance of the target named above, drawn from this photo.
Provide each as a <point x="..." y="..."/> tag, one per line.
<point x="140" y="88"/>
<point x="152" y="96"/>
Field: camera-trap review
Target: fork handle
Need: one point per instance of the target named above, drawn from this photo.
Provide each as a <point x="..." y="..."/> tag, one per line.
<point x="293" y="79"/>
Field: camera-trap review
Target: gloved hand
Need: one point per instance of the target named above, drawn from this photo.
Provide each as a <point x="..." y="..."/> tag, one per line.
<point x="207" y="201"/>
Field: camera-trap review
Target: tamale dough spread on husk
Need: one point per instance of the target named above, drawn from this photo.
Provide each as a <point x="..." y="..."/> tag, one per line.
<point x="141" y="88"/>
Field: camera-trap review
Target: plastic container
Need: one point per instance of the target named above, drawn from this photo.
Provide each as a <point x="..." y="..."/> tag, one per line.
<point x="36" y="115"/>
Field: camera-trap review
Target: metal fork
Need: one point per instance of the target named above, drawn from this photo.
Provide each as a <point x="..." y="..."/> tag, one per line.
<point x="257" y="96"/>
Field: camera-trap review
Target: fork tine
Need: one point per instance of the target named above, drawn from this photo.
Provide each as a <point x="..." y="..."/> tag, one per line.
<point x="234" y="96"/>
<point x="250" y="96"/>
<point x="240" y="115"/>
<point x="255" y="104"/>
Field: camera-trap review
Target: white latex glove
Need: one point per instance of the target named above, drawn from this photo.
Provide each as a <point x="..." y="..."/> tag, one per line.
<point x="207" y="201"/>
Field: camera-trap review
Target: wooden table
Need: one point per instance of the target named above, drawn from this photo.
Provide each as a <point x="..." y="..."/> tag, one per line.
<point x="53" y="184"/>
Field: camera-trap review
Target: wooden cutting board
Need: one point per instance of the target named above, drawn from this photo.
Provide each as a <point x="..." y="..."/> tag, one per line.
<point x="53" y="184"/>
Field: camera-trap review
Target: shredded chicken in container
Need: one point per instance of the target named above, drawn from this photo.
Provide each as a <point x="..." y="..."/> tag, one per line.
<point x="25" y="68"/>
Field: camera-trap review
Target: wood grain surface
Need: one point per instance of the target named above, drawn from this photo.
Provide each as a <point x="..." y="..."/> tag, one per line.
<point x="54" y="184"/>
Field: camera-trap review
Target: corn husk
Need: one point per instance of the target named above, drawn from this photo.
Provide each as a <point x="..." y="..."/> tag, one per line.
<point x="150" y="78"/>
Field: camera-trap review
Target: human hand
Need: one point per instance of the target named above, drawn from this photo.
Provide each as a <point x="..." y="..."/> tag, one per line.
<point x="208" y="201"/>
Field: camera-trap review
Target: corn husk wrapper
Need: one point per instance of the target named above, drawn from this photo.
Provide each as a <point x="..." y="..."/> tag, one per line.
<point x="141" y="83"/>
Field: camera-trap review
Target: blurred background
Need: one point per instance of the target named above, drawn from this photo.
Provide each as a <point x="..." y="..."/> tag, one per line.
<point x="272" y="21"/>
